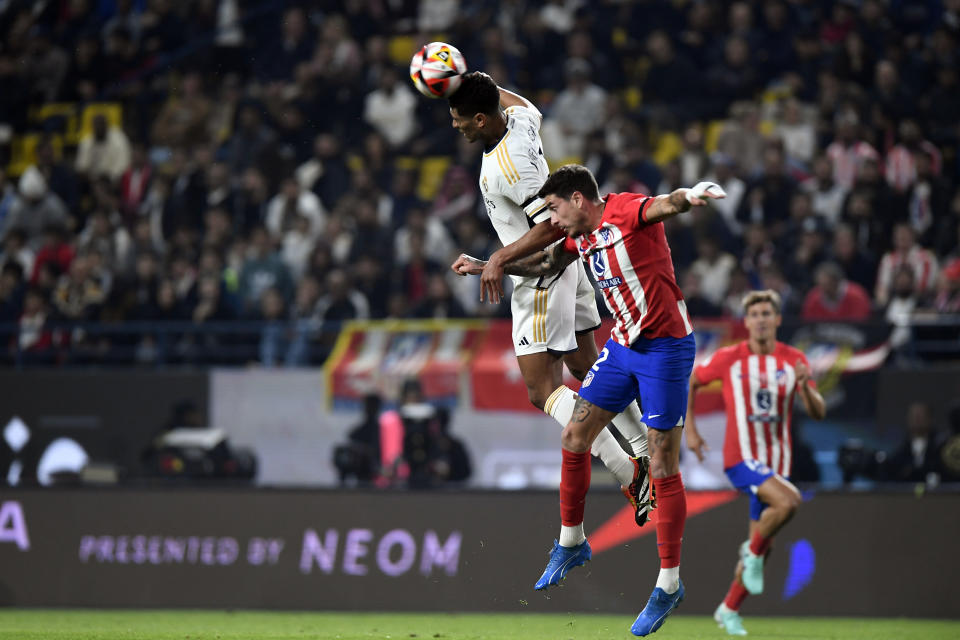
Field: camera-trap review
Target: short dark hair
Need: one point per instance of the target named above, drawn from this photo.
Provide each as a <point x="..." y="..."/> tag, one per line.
<point x="569" y="178"/>
<point x="478" y="93"/>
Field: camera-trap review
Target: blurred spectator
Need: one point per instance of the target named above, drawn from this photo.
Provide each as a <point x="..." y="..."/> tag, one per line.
<point x="741" y="139"/>
<point x="457" y="196"/>
<point x="714" y="268"/>
<point x="901" y="168"/>
<point x="950" y="451"/>
<point x="104" y="152"/>
<point x="435" y="239"/>
<point x="78" y="295"/>
<point x="693" y="159"/>
<point x="390" y="109"/>
<point x="261" y="270"/>
<point x="135" y="182"/>
<point x="251" y="142"/>
<point x="828" y="196"/>
<point x="723" y="172"/>
<point x="439" y="302"/>
<point x="284" y="51"/>
<point x="35" y="208"/>
<point x="834" y="298"/>
<point x="293" y="202"/>
<point x="697" y="304"/>
<point x="297" y="245"/>
<point x="768" y="196"/>
<point x="664" y="86"/>
<point x="732" y="78"/>
<point x="59" y="175"/>
<point x="34" y="336"/>
<point x="905" y="252"/>
<point x="796" y="129"/>
<point x="54" y="251"/>
<point x="848" y="150"/>
<point x="859" y="265"/>
<point x="917" y="459"/>
<point x="579" y="108"/>
<point x="947" y="296"/>
<point x="927" y="200"/>
<point x="275" y="335"/>
<point x="758" y="252"/>
<point x="183" y="118"/>
<point x="44" y="64"/>
<point x="900" y="307"/>
<point x="211" y="305"/>
<point x="326" y="173"/>
<point x="12" y="289"/>
<point x="341" y="301"/>
<point x="15" y="250"/>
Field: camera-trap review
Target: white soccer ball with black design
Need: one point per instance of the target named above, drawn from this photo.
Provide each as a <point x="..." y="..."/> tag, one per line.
<point x="436" y="69"/>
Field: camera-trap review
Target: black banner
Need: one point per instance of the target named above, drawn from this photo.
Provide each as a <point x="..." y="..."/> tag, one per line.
<point x="890" y="555"/>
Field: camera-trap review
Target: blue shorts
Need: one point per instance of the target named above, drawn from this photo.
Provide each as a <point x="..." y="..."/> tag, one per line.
<point x="656" y="372"/>
<point x="747" y="477"/>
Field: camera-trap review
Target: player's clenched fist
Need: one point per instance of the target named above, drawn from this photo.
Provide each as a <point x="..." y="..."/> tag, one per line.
<point x="468" y="265"/>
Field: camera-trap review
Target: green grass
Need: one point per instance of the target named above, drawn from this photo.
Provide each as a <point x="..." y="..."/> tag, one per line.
<point x="57" y="624"/>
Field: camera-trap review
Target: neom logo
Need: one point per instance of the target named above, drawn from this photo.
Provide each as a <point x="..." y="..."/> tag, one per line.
<point x="394" y="554"/>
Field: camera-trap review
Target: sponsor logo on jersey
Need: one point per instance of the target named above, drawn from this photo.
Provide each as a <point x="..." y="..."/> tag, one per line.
<point x="615" y="281"/>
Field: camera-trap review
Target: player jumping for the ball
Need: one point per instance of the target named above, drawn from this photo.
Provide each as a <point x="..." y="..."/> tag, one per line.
<point x="649" y="355"/>
<point x="760" y="378"/>
<point x="553" y="317"/>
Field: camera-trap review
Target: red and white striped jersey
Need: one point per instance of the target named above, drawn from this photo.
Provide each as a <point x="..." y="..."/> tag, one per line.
<point x="758" y="393"/>
<point x="630" y="259"/>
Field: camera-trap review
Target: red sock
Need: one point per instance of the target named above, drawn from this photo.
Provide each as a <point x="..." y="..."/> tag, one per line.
<point x="574" y="482"/>
<point x="671" y="516"/>
<point x="759" y="545"/>
<point x="735" y="596"/>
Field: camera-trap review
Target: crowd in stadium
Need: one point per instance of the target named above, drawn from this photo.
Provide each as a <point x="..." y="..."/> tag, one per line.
<point x="271" y="161"/>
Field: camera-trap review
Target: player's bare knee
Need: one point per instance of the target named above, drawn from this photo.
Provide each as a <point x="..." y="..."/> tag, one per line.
<point x="538" y="397"/>
<point x="575" y="440"/>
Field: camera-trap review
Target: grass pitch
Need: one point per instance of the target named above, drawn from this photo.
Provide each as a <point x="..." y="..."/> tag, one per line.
<point x="58" y="624"/>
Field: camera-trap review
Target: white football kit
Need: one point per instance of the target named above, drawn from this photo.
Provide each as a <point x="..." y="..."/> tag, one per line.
<point x="547" y="312"/>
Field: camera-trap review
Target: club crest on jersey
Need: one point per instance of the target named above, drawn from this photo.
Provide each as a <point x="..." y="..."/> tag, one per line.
<point x="781" y="377"/>
<point x="606" y="235"/>
<point x="587" y="379"/>
<point x="483" y="183"/>
<point x="599" y="264"/>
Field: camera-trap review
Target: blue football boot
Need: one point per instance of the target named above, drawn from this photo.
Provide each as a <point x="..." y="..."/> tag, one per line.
<point x="562" y="559"/>
<point x="659" y="606"/>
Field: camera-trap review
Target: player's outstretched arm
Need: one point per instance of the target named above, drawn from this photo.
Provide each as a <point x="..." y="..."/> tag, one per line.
<point x="543" y="263"/>
<point x="668" y="205"/>
<point x="813" y="402"/>
<point x="510" y="99"/>
<point x="542" y="235"/>
<point x="695" y="441"/>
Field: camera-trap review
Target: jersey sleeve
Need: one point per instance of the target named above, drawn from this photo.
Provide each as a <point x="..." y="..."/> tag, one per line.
<point x="522" y="180"/>
<point x="710" y="370"/>
<point x="530" y="113"/>
<point x="631" y="210"/>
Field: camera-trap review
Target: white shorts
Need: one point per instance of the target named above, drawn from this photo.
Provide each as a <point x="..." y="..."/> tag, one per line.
<point x="549" y="319"/>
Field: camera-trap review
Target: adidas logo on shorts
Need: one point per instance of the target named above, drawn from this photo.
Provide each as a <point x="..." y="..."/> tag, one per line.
<point x="524" y="342"/>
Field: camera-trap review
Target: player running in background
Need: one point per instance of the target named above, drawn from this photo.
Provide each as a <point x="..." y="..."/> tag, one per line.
<point x="553" y="318"/>
<point x="760" y="378"/>
<point x="649" y="355"/>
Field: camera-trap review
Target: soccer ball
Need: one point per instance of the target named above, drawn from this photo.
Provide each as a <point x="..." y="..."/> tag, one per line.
<point x="436" y="69"/>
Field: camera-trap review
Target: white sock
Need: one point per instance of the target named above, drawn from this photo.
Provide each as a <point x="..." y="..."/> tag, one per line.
<point x="669" y="579"/>
<point x="723" y="608"/>
<point x="571" y="536"/>
<point x="559" y="406"/>
<point x="630" y="425"/>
